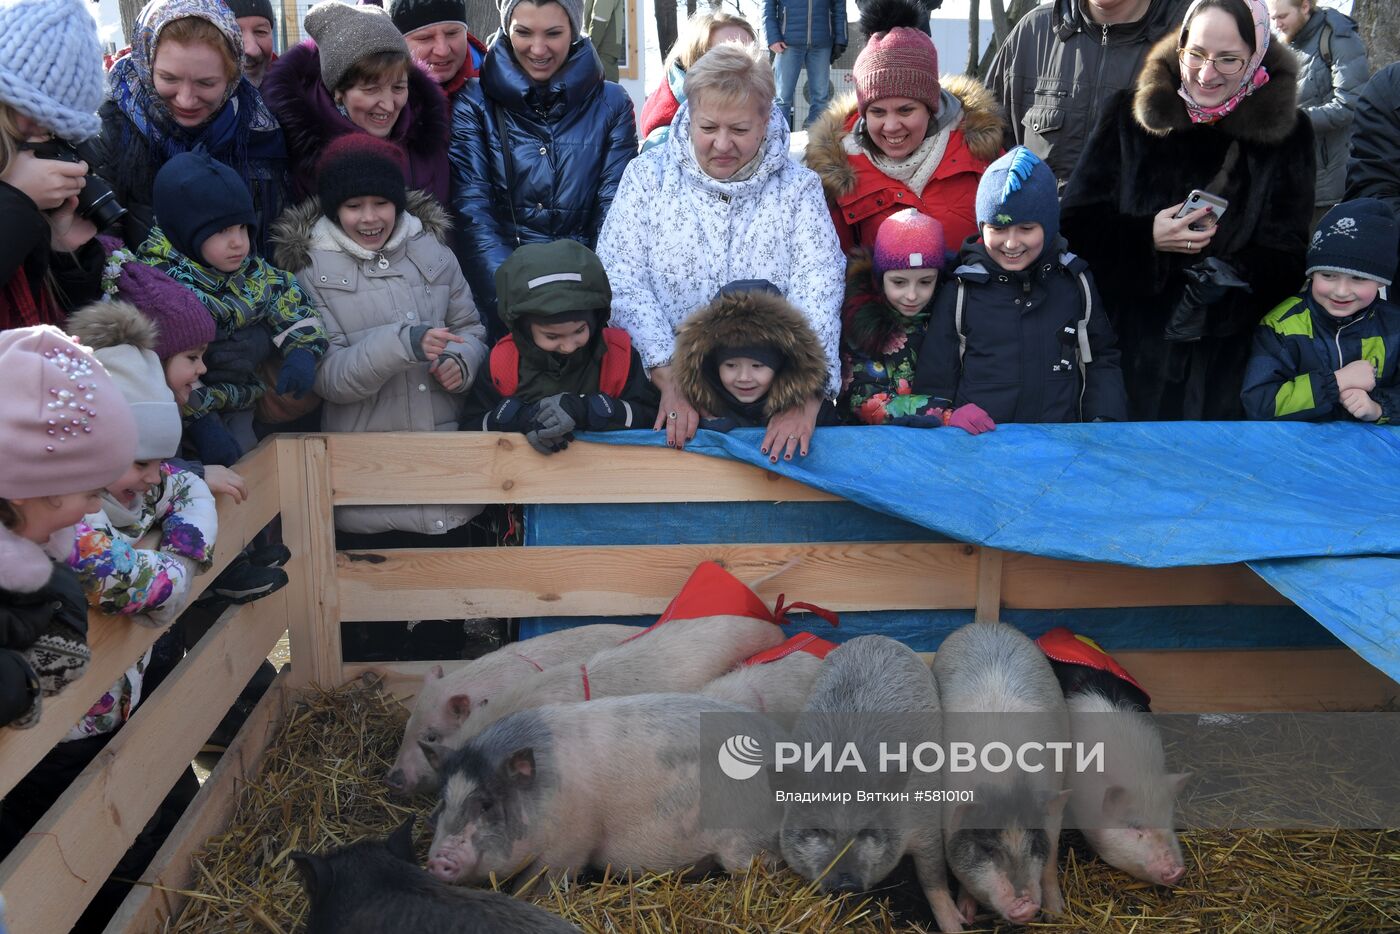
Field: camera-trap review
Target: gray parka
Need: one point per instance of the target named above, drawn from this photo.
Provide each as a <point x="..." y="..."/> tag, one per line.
<point x="1329" y="85"/>
<point x="375" y="307"/>
<point x="1058" y="69"/>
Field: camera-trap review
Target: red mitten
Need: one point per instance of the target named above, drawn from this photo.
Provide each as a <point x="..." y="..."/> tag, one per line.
<point x="972" y="419"/>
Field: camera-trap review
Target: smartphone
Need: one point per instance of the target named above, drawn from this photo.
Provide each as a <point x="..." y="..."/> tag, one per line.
<point x="1199" y="199"/>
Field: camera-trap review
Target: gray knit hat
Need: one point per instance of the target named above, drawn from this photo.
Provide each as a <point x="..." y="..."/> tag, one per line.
<point x="346" y="34"/>
<point x="51" y="65"/>
<point x="572" y="8"/>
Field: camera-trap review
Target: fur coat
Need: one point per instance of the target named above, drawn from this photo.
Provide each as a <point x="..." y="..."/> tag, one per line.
<point x="1145" y="156"/>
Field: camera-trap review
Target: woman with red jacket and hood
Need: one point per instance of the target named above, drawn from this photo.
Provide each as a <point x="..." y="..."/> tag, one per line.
<point x="356" y="75"/>
<point x="905" y="140"/>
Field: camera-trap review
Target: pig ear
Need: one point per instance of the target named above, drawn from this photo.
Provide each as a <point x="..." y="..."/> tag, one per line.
<point x="317" y="876"/>
<point x="955" y="820"/>
<point x="1176" y="782"/>
<point x="400" y="842"/>
<point x="435" y="673"/>
<point x="460" y="706"/>
<point x="1115" y="802"/>
<point x="1055" y="804"/>
<point x="520" y="767"/>
<point x="435" y="753"/>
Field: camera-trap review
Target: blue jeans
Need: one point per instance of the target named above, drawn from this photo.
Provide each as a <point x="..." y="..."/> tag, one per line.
<point x="789" y="65"/>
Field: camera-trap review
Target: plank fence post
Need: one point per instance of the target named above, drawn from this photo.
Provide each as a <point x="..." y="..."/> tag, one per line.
<point x="308" y="528"/>
<point x="988" y="585"/>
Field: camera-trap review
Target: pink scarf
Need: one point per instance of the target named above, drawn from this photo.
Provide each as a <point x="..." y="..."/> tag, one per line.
<point x="1255" y="75"/>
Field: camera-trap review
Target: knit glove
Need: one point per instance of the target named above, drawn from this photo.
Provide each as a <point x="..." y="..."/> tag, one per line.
<point x="551" y="430"/>
<point x="298" y="373"/>
<point x="213" y="441"/>
<point x="58" y="657"/>
<point x="837" y="51"/>
<point x="236" y="358"/>
<point x="972" y="419"/>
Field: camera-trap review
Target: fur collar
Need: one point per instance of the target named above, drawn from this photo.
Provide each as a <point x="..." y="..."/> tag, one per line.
<point x="293" y="235"/>
<point x="1267" y="116"/>
<point x="26" y="567"/>
<point x="309" y="119"/>
<point x="748" y="319"/>
<point x="982" y="128"/>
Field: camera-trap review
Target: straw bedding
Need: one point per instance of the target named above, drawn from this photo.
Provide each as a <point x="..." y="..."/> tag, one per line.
<point x="320" y="787"/>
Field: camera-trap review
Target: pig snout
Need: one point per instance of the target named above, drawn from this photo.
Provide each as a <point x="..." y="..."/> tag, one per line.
<point x="1022" y="909"/>
<point x="446" y="867"/>
<point x="843" y="882"/>
<point x="1168" y="871"/>
<point x="396" y="781"/>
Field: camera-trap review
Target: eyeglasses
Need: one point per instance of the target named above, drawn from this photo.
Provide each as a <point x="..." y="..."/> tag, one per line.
<point x="1226" y="64"/>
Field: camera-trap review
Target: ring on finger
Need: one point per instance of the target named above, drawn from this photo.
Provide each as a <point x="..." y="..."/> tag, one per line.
<point x="671" y="415"/>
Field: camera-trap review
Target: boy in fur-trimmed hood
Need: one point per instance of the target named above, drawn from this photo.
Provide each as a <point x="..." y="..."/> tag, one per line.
<point x="747" y="356"/>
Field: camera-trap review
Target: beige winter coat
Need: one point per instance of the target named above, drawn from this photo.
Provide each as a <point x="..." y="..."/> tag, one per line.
<point x="375" y="307"/>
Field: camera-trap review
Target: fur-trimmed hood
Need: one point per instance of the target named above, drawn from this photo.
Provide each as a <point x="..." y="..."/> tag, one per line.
<point x="293" y="234"/>
<point x="110" y="324"/>
<point x="1266" y="116"/>
<point x="749" y="319"/>
<point x="26" y="567"/>
<point x="982" y="128"/>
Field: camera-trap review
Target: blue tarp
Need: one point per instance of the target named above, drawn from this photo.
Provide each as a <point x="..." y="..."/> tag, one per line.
<point x="1314" y="509"/>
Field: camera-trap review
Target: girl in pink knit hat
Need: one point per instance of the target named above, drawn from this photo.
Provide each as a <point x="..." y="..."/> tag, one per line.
<point x="67" y="433"/>
<point x="905" y="140"/>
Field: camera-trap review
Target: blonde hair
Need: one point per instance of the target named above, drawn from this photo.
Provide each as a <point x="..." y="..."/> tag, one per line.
<point x="193" y="30"/>
<point x="10" y="136"/>
<point x="695" y="36"/>
<point x="732" y="74"/>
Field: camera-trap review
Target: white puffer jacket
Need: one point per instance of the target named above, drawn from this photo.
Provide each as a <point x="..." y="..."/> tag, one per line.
<point x="674" y="236"/>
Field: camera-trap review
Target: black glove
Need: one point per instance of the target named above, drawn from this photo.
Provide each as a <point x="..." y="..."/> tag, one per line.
<point x="837" y="51"/>
<point x="235" y="358"/>
<point x="20" y="695"/>
<point x="243" y="582"/>
<point x="1207" y="282"/>
<point x="213" y="441"/>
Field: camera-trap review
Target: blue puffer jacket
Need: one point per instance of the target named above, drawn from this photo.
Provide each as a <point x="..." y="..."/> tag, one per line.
<point x="1298" y="349"/>
<point x="1026" y="333"/>
<point x="569" y="142"/>
<point x="814" y="24"/>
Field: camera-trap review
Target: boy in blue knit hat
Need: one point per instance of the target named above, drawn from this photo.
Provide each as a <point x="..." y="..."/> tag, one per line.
<point x="1019" y="328"/>
<point x="1333" y="350"/>
<point x="203" y="240"/>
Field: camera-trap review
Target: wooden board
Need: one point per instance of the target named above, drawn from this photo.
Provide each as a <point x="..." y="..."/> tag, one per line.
<point x="308" y="528"/>
<point x="626" y="580"/>
<point x="116" y="642"/>
<point x="57" y="868"/>
<point x="1033" y="582"/>
<point x="489" y="467"/>
<point x="156" y="896"/>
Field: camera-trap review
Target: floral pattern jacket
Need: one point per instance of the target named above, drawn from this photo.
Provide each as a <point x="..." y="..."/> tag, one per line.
<point x="879" y="350"/>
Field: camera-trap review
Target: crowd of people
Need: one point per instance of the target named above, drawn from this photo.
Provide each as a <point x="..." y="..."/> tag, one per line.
<point x="395" y="226"/>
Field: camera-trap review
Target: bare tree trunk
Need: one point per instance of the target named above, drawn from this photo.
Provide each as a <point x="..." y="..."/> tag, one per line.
<point x="665" y="26"/>
<point x="128" y="10"/>
<point x="974" y="37"/>
<point x="1380" y="30"/>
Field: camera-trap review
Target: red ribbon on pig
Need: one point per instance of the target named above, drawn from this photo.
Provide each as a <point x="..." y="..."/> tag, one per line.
<point x="802" y="642"/>
<point x="780" y="612"/>
<point x="1062" y="645"/>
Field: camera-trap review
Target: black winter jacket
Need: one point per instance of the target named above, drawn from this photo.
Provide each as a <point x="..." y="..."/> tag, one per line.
<point x="1374" y="170"/>
<point x="1145" y="156"/>
<point x="25" y="244"/>
<point x="37" y="595"/>
<point x="1057" y="70"/>
<point x="1023" y="354"/>
<point x="568" y="143"/>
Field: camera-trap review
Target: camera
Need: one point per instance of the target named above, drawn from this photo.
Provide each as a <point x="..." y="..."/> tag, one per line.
<point x="96" y="202"/>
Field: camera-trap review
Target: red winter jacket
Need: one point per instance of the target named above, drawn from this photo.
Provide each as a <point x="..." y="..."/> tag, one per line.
<point x="861" y="196"/>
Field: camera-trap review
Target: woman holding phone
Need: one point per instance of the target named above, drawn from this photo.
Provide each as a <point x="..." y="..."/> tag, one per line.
<point x="1192" y="202"/>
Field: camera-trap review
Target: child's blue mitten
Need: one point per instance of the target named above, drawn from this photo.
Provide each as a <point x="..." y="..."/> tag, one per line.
<point x="298" y="373"/>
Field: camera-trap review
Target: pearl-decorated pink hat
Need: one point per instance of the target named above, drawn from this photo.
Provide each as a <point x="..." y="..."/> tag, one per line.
<point x="64" y="425"/>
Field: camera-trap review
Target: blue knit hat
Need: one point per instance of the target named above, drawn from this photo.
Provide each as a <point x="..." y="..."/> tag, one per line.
<point x="1357" y="238"/>
<point x="195" y="196"/>
<point x="51" y="65"/>
<point x="1018" y="188"/>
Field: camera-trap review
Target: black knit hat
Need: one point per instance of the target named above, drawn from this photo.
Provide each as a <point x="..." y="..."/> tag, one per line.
<point x="242" y="8"/>
<point x="195" y="196"/>
<point x="1357" y="238"/>
<point x="356" y="165"/>
<point x="412" y="15"/>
